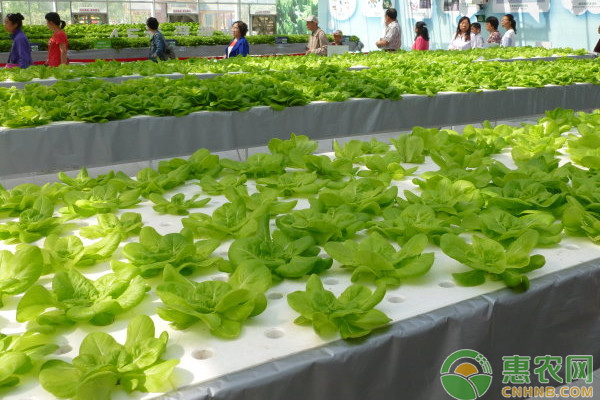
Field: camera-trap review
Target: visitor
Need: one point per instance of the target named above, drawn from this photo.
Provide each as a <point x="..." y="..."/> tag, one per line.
<point x="158" y="45"/>
<point x="239" y="45"/>
<point x="476" y="39"/>
<point x="462" y="38"/>
<point x="491" y="25"/>
<point x="20" y="51"/>
<point x="337" y="38"/>
<point x="58" y="46"/>
<point x="391" y="40"/>
<point x="597" y="48"/>
<point x="509" y="23"/>
<point x="422" y="36"/>
<point x="317" y="43"/>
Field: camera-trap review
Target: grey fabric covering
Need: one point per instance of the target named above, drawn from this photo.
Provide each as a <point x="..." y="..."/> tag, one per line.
<point x="557" y="316"/>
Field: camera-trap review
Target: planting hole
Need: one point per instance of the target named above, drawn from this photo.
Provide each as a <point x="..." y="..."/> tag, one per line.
<point x="396" y="299"/>
<point x="203" y="354"/>
<point x="64" y="349"/>
<point x="274" y="333"/>
<point x="447" y="284"/>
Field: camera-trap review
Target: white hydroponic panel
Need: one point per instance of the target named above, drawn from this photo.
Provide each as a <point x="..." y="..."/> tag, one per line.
<point x="272" y="334"/>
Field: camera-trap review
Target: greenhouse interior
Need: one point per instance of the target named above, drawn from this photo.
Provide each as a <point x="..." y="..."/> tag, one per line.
<point x="300" y="199"/>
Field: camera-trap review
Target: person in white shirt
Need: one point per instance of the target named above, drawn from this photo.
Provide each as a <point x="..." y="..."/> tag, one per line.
<point x="509" y="23"/>
<point x="462" y="38"/>
<point x="391" y="39"/>
<point x="476" y="39"/>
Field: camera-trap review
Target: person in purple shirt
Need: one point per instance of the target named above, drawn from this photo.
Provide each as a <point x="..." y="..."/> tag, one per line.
<point x="20" y="52"/>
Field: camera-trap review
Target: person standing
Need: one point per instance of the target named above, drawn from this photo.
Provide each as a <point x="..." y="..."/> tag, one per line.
<point x="462" y="37"/>
<point x="20" y="51"/>
<point x="491" y="25"/>
<point x="597" y="48"/>
<point x="317" y="43"/>
<point x="391" y="40"/>
<point x="476" y="39"/>
<point x="337" y="38"/>
<point x="509" y="38"/>
<point x="58" y="46"/>
<point x="239" y="45"/>
<point x="422" y="38"/>
<point x="158" y="45"/>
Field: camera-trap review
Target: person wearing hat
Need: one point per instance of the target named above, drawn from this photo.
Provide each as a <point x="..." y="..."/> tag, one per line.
<point x="337" y="38"/>
<point x="317" y="43"/>
<point x="391" y="40"/>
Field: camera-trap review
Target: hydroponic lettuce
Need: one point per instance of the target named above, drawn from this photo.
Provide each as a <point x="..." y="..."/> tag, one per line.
<point x="236" y="219"/>
<point x="102" y="68"/>
<point x="334" y="224"/>
<point x="284" y="257"/>
<point x="504" y="227"/>
<point x="364" y="195"/>
<point x="221" y="306"/>
<point x="62" y="253"/>
<point x="74" y="298"/>
<point x="294" y="149"/>
<point x="20" y="354"/>
<point x="104" y="365"/>
<point x="375" y="259"/>
<point x="92" y="100"/>
<point x="99" y="200"/>
<point x="129" y="224"/>
<point x="352" y="314"/>
<point x="293" y="184"/>
<point x="22" y="197"/>
<point x="214" y="187"/>
<point x="508" y="212"/>
<point x="385" y="168"/>
<point x="447" y="198"/>
<point x="19" y="271"/>
<point x="487" y="257"/>
<point x="584" y="148"/>
<point x="177" y="205"/>
<point x="401" y="225"/>
<point x="354" y="150"/>
<point x="154" y="252"/>
<point x="581" y="222"/>
<point x="33" y="223"/>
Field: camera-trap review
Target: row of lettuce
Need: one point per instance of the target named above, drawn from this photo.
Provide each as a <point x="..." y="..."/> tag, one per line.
<point x="480" y="212"/>
<point x="95" y="100"/>
<point x="102" y="68"/>
<point x="83" y="37"/>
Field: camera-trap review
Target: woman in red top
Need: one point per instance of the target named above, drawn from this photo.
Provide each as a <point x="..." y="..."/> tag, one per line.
<point x="422" y="38"/>
<point x="58" y="44"/>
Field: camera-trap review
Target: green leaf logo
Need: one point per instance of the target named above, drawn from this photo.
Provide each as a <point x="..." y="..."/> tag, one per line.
<point x="466" y="375"/>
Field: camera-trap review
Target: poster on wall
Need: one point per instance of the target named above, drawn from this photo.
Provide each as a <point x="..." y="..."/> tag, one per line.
<point x="374" y="8"/>
<point x="579" y="7"/>
<point x="460" y="7"/>
<point x="532" y="7"/>
<point x="420" y="9"/>
<point x="341" y="9"/>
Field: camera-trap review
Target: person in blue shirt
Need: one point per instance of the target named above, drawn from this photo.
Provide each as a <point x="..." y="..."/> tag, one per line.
<point x="20" y="51"/>
<point x="239" y="45"/>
